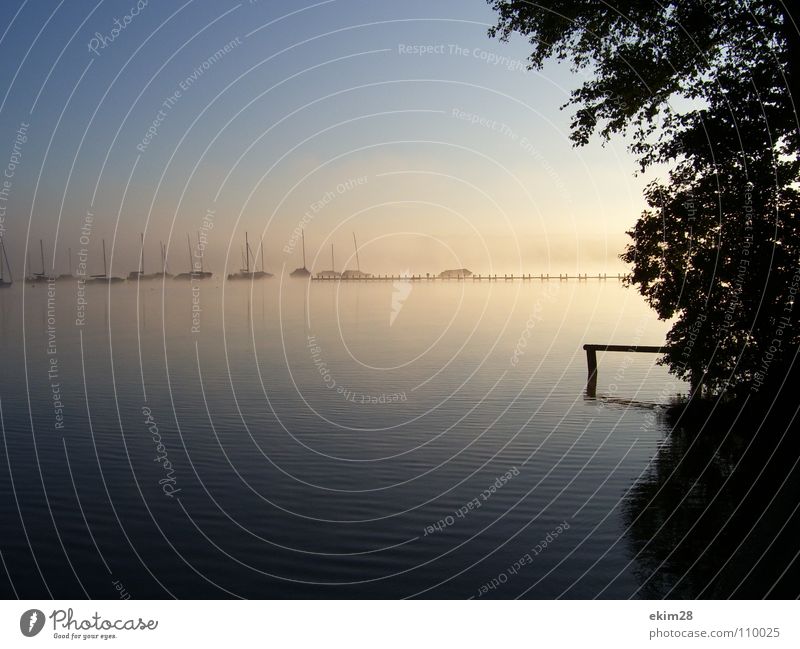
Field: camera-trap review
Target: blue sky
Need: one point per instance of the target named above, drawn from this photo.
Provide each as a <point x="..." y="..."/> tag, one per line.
<point x="462" y="156"/>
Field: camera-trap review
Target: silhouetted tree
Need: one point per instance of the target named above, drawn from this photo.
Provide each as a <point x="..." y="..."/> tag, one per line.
<point x="705" y="88"/>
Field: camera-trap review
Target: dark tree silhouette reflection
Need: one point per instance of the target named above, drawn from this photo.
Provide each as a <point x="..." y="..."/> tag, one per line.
<point x="716" y="519"/>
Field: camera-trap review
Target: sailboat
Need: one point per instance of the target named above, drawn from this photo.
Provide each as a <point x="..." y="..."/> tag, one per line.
<point x="246" y="273"/>
<point x="38" y="277"/>
<point x="203" y="274"/>
<point x="68" y="274"/>
<point x="105" y="276"/>
<point x="332" y="273"/>
<point x="302" y="272"/>
<point x="4" y="264"/>
<point x="355" y="274"/>
<point x="140" y="274"/>
<point x="164" y="270"/>
<point x="193" y="274"/>
<point x="260" y="274"/>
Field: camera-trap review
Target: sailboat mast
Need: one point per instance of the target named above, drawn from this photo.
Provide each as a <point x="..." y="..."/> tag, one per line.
<point x="262" y="255"/>
<point x="199" y="252"/>
<point x="105" y="266"/>
<point x="41" y="249"/>
<point x="358" y="263"/>
<point x="189" y="246"/>
<point x="247" y="251"/>
<point x="163" y="259"/>
<point x="304" y="248"/>
<point x="141" y="255"/>
<point x="5" y="255"/>
<point x="333" y="265"/>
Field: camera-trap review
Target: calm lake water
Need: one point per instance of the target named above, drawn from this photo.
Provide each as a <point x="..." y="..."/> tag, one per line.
<point x="287" y="439"/>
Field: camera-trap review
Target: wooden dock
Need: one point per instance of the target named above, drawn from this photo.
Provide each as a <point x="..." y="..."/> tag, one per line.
<point x="530" y="277"/>
<point x="591" y="360"/>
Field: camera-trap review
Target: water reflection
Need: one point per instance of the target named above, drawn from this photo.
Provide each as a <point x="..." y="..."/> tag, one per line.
<point x="716" y="515"/>
<point x="296" y="486"/>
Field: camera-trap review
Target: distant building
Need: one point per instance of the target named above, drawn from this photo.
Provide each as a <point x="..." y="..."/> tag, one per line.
<point x="355" y="274"/>
<point x="329" y="274"/>
<point x="456" y="273"/>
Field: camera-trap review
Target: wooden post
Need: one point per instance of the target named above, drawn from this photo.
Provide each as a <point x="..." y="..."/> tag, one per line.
<point x="591" y="364"/>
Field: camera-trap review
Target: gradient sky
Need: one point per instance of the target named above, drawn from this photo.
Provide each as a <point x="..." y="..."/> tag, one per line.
<point x="316" y="110"/>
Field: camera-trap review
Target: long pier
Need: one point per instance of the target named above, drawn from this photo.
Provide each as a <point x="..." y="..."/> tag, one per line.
<point x="475" y="278"/>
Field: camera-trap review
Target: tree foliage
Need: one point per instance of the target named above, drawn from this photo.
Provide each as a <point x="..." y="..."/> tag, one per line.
<point x="707" y="90"/>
